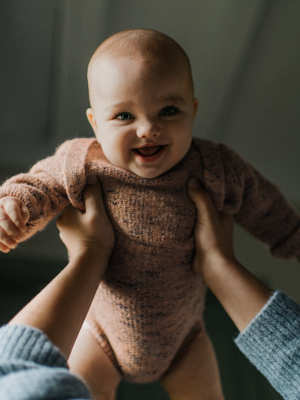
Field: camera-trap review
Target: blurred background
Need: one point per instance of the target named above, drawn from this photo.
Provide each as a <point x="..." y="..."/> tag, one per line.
<point x="245" y="58"/>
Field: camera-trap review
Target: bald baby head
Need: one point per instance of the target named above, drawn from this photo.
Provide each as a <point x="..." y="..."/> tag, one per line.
<point x="149" y="47"/>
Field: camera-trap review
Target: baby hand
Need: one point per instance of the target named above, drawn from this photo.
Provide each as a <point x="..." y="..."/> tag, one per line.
<point x="13" y="217"/>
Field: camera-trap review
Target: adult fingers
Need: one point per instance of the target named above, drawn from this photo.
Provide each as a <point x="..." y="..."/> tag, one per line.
<point x="92" y="195"/>
<point x="205" y="208"/>
<point x="68" y="215"/>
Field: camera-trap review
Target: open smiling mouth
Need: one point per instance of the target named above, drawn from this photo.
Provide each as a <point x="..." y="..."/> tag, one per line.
<point x="149" y="151"/>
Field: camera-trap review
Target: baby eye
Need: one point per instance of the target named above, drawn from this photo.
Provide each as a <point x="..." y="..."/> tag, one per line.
<point x="169" y="111"/>
<point x="125" y="116"/>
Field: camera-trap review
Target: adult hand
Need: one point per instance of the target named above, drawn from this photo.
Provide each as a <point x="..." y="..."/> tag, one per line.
<point x="88" y="232"/>
<point x="61" y="307"/>
<point x="213" y="231"/>
<point x="241" y="294"/>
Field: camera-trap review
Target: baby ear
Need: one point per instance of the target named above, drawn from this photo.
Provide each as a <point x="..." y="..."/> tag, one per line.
<point x="92" y="120"/>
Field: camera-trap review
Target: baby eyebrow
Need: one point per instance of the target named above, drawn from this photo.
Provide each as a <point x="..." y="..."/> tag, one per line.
<point x="175" y="99"/>
<point x="119" y="105"/>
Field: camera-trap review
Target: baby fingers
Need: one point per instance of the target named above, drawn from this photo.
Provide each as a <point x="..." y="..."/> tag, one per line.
<point x="16" y="211"/>
<point x="6" y="242"/>
<point x="8" y="225"/>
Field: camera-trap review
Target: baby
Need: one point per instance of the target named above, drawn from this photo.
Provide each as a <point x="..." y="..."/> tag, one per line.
<point x="145" y="322"/>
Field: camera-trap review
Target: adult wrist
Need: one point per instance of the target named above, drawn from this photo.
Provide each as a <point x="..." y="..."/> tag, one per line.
<point x="216" y="263"/>
<point x="91" y="252"/>
<point x="96" y="259"/>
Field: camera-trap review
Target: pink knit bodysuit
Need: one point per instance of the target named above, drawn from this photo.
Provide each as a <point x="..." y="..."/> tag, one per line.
<point x="148" y="308"/>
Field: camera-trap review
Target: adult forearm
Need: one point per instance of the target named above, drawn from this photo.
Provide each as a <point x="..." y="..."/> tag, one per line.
<point x="60" y="309"/>
<point x="241" y="294"/>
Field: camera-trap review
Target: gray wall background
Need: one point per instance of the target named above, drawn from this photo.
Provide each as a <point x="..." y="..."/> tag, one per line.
<point x="245" y="59"/>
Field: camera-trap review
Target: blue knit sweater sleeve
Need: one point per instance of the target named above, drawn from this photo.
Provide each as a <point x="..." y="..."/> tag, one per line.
<point x="272" y="343"/>
<point x="31" y="367"/>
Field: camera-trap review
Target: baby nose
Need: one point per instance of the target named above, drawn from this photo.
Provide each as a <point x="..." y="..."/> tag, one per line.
<point x="147" y="129"/>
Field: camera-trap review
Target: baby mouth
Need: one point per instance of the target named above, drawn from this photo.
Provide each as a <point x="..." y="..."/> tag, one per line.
<point x="149" y="151"/>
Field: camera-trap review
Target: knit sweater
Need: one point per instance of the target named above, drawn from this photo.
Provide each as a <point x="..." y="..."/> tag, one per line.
<point x="32" y="368"/>
<point x="272" y="343"/>
<point x="148" y="308"/>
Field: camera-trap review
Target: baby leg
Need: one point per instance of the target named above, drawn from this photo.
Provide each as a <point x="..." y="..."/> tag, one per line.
<point x="196" y="377"/>
<point x="89" y="361"/>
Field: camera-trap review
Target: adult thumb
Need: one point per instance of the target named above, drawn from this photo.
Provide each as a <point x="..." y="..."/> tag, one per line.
<point x="92" y="195"/>
<point x="201" y="198"/>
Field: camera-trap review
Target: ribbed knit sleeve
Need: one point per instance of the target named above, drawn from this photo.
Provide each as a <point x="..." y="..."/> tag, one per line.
<point x="32" y="368"/>
<point x="51" y="184"/>
<point x="238" y="189"/>
<point x="272" y="343"/>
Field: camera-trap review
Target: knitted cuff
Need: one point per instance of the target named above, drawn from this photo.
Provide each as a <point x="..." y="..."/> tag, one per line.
<point x="272" y="343"/>
<point x="32" y="368"/>
<point x="29" y="344"/>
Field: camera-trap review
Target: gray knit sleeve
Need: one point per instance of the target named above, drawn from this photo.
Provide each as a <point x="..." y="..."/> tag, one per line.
<point x="31" y="367"/>
<point x="272" y="343"/>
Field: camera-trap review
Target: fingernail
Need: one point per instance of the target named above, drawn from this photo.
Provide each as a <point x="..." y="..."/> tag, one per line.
<point x="193" y="184"/>
<point x="91" y="180"/>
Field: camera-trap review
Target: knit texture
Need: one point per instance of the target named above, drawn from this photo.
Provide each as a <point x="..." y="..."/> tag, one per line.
<point x="31" y="368"/>
<point x="148" y="308"/>
<point x="272" y="343"/>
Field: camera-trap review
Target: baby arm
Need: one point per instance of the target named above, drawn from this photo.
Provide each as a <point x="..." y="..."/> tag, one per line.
<point x="29" y="201"/>
<point x="237" y="188"/>
<point x="261" y="207"/>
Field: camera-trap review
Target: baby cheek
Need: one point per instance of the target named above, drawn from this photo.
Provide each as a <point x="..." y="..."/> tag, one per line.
<point x="119" y="155"/>
<point x="183" y="145"/>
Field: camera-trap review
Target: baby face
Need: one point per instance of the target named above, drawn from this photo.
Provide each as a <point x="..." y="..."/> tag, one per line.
<point x="142" y="114"/>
